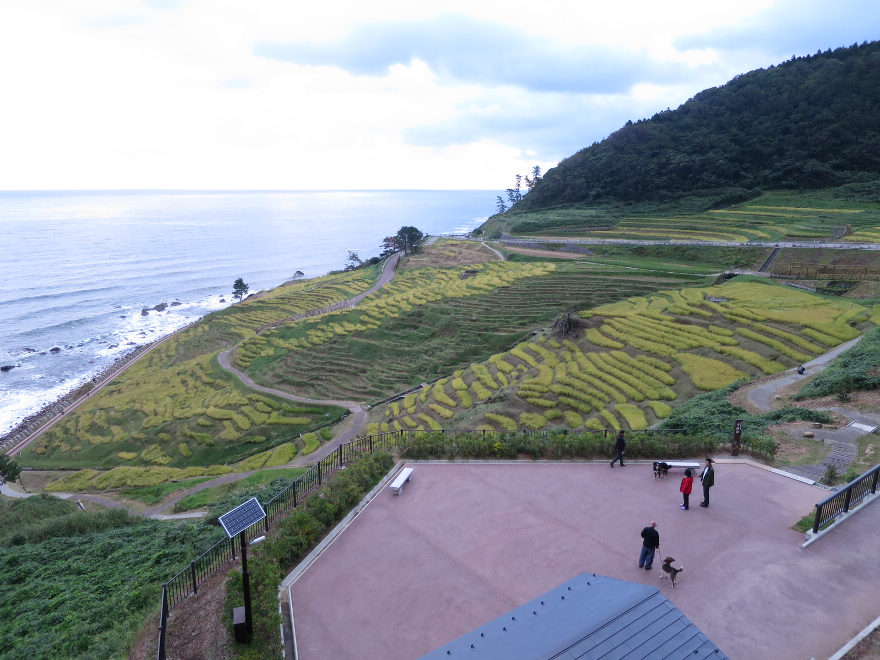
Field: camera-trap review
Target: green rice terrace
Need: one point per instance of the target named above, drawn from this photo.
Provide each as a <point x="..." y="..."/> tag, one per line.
<point x="177" y="408"/>
<point x="432" y="321"/>
<point x="634" y="360"/>
<point x="476" y="342"/>
<point x="776" y="216"/>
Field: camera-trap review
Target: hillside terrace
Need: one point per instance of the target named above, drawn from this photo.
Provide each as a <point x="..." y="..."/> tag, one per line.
<point x="468" y="541"/>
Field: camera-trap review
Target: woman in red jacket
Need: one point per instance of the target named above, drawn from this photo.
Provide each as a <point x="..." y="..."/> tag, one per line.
<point x="687" y="484"/>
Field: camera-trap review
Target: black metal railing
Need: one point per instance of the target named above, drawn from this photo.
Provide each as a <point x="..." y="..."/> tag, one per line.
<point x="846" y="498"/>
<point x="187" y="582"/>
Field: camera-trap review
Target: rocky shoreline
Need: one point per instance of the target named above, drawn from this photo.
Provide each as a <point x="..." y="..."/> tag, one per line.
<point x="34" y="422"/>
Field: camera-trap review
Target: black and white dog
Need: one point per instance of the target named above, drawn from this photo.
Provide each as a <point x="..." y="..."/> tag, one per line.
<point x="661" y="469"/>
<point x="670" y="570"/>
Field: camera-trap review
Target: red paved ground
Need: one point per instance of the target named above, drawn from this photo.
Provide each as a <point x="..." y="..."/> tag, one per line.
<point x="466" y="542"/>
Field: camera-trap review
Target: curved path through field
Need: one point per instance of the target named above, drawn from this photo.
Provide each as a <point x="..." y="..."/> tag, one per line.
<point x="351" y="427"/>
<point x="843" y="440"/>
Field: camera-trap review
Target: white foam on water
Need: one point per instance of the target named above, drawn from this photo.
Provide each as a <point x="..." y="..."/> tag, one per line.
<point x="19" y="404"/>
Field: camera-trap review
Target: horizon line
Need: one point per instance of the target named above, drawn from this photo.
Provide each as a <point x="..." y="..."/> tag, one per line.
<point x="4" y="191"/>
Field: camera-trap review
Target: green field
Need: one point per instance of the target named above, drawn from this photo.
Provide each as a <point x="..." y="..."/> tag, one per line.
<point x="774" y="216"/>
<point x="79" y="585"/>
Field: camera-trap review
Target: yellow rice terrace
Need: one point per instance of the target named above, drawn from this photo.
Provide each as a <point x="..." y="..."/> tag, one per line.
<point x="177" y="407"/>
<point x="632" y="360"/>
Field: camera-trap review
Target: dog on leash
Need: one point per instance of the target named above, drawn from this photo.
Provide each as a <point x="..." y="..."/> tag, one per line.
<point x="670" y="570"/>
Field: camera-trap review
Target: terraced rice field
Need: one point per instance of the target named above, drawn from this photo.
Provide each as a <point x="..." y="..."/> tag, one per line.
<point x="771" y="217"/>
<point x="176" y="407"/>
<point x="448" y="319"/>
<point x="634" y="359"/>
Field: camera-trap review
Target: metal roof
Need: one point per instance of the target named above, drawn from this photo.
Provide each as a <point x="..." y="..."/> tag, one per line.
<point x="590" y="616"/>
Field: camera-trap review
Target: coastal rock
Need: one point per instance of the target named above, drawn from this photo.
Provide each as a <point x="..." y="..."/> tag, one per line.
<point x="176" y="303"/>
<point x="54" y="349"/>
<point x="29" y="350"/>
<point x="145" y="311"/>
<point x="7" y="367"/>
<point x="160" y="307"/>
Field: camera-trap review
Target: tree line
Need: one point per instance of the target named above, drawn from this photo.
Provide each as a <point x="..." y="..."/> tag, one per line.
<point x="515" y="194"/>
<point x="810" y="122"/>
<point x="406" y="239"/>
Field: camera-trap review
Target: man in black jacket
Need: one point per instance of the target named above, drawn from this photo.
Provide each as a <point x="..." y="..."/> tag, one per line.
<point x="707" y="477"/>
<point x="650" y="544"/>
<point x="620" y="448"/>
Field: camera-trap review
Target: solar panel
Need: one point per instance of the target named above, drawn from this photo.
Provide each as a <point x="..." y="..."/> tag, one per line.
<point x="242" y="517"/>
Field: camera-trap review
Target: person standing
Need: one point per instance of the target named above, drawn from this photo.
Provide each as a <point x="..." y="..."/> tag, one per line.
<point x="650" y="545"/>
<point x="707" y="478"/>
<point x="620" y="448"/>
<point x="687" y="485"/>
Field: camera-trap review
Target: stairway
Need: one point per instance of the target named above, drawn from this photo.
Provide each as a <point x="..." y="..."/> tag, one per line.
<point x="773" y="255"/>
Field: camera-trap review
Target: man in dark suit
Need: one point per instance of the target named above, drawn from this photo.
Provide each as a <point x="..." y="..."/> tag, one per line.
<point x="620" y="448"/>
<point x="707" y="478"/>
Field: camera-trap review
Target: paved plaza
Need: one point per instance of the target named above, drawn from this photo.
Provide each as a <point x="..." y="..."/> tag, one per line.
<point x="468" y="541"/>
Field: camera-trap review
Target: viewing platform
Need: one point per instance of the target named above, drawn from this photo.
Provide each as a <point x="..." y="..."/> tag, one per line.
<point x="470" y="541"/>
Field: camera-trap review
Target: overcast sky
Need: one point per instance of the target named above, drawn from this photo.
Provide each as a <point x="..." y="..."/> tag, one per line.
<point x="330" y="94"/>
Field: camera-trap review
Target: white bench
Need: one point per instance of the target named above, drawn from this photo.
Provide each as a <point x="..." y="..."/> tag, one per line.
<point x="400" y="480"/>
<point x="674" y="465"/>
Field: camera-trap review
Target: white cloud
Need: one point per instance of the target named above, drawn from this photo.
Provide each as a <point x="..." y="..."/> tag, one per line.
<point x="181" y="94"/>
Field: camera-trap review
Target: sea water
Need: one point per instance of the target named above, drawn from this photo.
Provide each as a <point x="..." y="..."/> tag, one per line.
<point x="78" y="269"/>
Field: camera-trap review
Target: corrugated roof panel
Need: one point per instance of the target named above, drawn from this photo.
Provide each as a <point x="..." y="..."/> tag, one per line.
<point x="590" y="616"/>
<point x="603" y="639"/>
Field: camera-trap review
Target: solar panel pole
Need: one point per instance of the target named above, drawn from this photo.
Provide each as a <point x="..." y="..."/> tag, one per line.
<point x="246" y="586"/>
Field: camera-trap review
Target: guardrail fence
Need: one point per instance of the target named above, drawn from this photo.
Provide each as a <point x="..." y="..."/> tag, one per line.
<point x="848" y="497"/>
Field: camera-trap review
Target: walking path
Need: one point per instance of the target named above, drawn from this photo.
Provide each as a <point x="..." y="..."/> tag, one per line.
<point x="844" y="441"/>
<point x="351" y="427"/>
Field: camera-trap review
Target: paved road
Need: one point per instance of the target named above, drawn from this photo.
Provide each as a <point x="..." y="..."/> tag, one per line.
<point x="844" y="441"/>
<point x="629" y="241"/>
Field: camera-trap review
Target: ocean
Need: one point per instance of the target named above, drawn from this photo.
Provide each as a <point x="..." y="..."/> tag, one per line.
<point x="80" y="268"/>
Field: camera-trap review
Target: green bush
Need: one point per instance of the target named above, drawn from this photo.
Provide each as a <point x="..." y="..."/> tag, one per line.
<point x="713" y="415"/>
<point x="36" y="519"/>
<point x="86" y="595"/>
<point x="302" y="529"/>
<point x="264" y="577"/>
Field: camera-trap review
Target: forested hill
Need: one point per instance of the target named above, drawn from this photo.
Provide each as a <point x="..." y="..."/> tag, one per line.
<point x="810" y="122"/>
